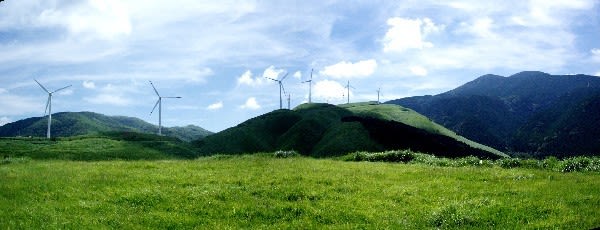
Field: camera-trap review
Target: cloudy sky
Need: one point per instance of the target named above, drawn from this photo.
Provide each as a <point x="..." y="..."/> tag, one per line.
<point x="216" y="54"/>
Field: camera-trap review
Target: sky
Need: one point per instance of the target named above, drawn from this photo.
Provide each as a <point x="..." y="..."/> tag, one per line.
<point x="218" y="55"/>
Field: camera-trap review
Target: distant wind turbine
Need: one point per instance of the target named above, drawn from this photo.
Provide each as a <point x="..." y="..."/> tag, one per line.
<point x="280" y="88"/>
<point x="49" y="105"/>
<point x="309" y="86"/>
<point x="348" y="86"/>
<point x="378" y="92"/>
<point x="159" y="103"/>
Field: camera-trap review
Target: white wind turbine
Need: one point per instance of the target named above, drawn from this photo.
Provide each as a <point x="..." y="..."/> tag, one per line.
<point x="49" y="105"/>
<point x="280" y="88"/>
<point x="309" y="86"/>
<point x="159" y="104"/>
<point x="348" y="86"/>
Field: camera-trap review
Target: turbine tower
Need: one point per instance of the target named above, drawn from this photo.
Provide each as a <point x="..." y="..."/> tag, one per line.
<point x="49" y="105"/>
<point x="348" y="86"/>
<point x="378" y="92"/>
<point x="309" y="86"/>
<point x="280" y="88"/>
<point x="159" y="103"/>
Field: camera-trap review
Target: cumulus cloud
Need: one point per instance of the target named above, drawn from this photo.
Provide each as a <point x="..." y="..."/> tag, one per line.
<point x="272" y="72"/>
<point x="215" y="106"/>
<point x="418" y="70"/>
<point x="94" y="19"/>
<point x="89" y="85"/>
<point x="297" y="75"/>
<point x="251" y="103"/>
<point x="345" y="69"/>
<point x="595" y="54"/>
<point x="328" y="90"/>
<point x="405" y="34"/>
<point x="108" y="99"/>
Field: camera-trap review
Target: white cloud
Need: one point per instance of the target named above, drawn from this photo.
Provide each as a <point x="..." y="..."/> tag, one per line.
<point x="4" y="120"/>
<point x="3" y="90"/>
<point x="108" y="99"/>
<point x="272" y="72"/>
<point x="351" y="70"/>
<point x="89" y="85"/>
<point x="297" y="75"/>
<point x="418" y="70"/>
<point x="247" y="79"/>
<point x="250" y="104"/>
<point x="405" y="34"/>
<point x="328" y="90"/>
<point x="215" y="106"/>
<point x="94" y="19"/>
<point x="595" y="54"/>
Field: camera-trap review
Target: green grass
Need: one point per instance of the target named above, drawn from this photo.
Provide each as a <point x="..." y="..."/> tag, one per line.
<point x="262" y="191"/>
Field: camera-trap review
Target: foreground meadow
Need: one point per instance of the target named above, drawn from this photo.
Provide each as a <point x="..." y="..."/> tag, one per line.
<point x="261" y="191"/>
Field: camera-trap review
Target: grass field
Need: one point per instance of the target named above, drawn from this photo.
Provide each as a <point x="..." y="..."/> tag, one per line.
<point x="262" y="191"/>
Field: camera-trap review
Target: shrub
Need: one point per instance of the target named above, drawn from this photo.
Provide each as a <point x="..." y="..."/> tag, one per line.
<point x="389" y="156"/>
<point x="580" y="164"/>
<point x="285" y="153"/>
<point x="509" y="162"/>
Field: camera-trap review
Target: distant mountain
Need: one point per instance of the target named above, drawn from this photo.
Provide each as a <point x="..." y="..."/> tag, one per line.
<point x="323" y="130"/>
<point x="80" y="123"/>
<point x="520" y="113"/>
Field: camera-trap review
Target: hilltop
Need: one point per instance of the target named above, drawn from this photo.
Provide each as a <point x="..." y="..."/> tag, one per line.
<point x="322" y="130"/>
<point x="66" y="124"/>
<point x="531" y="112"/>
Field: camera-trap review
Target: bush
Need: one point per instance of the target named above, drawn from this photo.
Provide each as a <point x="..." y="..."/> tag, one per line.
<point x="580" y="164"/>
<point x="285" y="153"/>
<point x="509" y="163"/>
<point x="389" y="156"/>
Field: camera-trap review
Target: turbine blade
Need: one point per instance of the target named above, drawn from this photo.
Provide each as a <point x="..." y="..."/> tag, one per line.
<point x="284" y="93"/>
<point x="47" y="104"/>
<point x="61" y="88"/>
<point x="311" y="71"/>
<point x="284" y="76"/>
<point x="44" y="88"/>
<point x="171" y="97"/>
<point x="156" y="91"/>
<point x="271" y="79"/>
<point x="154" y="106"/>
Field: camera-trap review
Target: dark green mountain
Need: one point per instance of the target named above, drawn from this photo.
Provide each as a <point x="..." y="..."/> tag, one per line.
<point x="322" y="130"/>
<point x="505" y="112"/>
<point x="66" y="124"/>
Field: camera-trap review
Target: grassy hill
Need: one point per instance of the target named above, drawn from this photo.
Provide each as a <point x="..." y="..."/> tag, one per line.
<point x="67" y="124"/>
<point x="104" y="146"/>
<point x="503" y="112"/>
<point x="323" y="130"/>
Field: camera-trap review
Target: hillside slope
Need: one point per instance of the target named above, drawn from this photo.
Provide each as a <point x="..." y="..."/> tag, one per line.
<point x="500" y="111"/>
<point x="67" y="124"/>
<point x="327" y="130"/>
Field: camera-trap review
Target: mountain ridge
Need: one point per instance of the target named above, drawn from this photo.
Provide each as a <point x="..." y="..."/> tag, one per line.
<point x="83" y="123"/>
<point x="493" y="110"/>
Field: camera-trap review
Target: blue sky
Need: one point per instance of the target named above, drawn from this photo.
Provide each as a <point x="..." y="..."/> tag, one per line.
<point x="215" y="54"/>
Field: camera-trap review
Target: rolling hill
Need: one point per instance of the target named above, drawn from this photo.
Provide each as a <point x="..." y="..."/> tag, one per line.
<point x="532" y="112"/>
<point x="67" y="124"/>
<point x="323" y="130"/>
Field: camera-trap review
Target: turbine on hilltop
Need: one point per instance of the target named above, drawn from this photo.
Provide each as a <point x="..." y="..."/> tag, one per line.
<point x="49" y="105"/>
<point x="280" y="88"/>
<point x="159" y="104"/>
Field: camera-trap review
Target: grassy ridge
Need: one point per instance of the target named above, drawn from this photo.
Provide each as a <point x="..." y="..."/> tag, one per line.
<point x="260" y="191"/>
<point x="106" y="146"/>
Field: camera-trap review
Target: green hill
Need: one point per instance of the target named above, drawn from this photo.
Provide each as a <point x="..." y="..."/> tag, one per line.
<point x="530" y="112"/>
<point x="66" y="124"/>
<point x="323" y="130"/>
<point x="104" y="146"/>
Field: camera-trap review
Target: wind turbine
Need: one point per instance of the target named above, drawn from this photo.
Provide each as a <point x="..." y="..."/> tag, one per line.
<point x="49" y="105"/>
<point x="289" y="95"/>
<point x="348" y="86"/>
<point x="159" y="103"/>
<point x="309" y="85"/>
<point x="378" y="92"/>
<point x="280" y="88"/>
